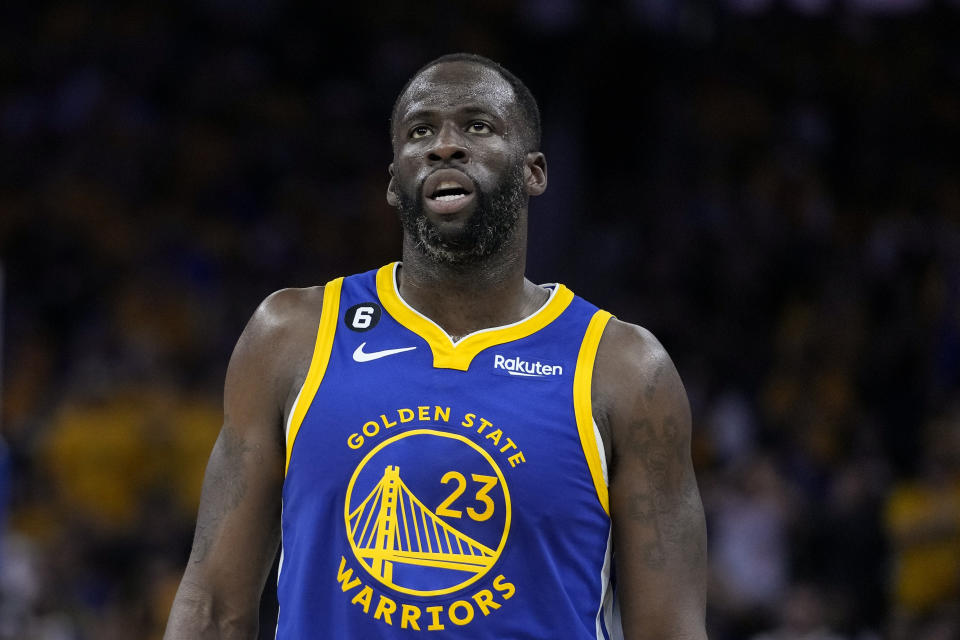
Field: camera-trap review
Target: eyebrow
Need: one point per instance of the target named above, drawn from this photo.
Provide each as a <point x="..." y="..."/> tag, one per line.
<point x="465" y="110"/>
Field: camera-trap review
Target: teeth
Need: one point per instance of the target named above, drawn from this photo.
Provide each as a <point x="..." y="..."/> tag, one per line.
<point x="448" y="184"/>
<point x="447" y="198"/>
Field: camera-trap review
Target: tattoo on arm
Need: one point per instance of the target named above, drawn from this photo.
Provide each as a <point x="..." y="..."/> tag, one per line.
<point x="651" y="388"/>
<point x="229" y="487"/>
<point x="668" y="511"/>
<point x="642" y="510"/>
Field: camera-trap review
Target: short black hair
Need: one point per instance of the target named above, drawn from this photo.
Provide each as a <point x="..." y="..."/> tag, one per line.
<point x="524" y="98"/>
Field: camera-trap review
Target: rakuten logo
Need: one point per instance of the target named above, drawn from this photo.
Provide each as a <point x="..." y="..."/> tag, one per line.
<point x="517" y="366"/>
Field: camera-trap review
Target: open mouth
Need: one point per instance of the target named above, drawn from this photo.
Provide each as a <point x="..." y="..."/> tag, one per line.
<point x="448" y="191"/>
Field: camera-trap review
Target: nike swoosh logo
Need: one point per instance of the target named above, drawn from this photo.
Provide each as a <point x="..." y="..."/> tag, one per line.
<point x="361" y="356"/>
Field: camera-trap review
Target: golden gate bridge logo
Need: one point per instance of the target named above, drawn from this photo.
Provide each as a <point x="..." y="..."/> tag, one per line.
<point x="399" y="513"/>
<point x="392" y="528"/>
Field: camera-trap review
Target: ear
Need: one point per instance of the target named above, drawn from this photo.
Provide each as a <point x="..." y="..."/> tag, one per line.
<point x="391" y="188"/>
<point x="535" y="173"/>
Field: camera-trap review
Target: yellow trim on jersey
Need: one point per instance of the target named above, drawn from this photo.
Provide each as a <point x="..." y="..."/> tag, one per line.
<point x="448" y="354"/>
<point x="318" y="365"/>
<point x="583" y="405"/>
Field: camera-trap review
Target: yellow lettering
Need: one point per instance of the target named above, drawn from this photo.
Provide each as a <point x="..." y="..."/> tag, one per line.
<point x="510" y="445"/>
<point x="410" y="616"/>
<point x="516" y="459"/>
<point x="468" y="616"/>
<point x="441" y="412"/>
<point x="343" y="577"/>
<point x="484" y="600"/>
<point x="355" y="441"/>
<point x="506" y="588"/>
<point x="385" y="607"/>
<point x="483" y="425"/>
<point x="373" y="430"/>
<point x="495" y="436"/>
<point x="468" y="420"/>
<point x="435" y="625"/>
<point x="423" y="413"/>
<point x="363" y="598"/>
<point x="406" y="415"/>
<point x="489" y="482"/>
<point x="443" y="508"/>
<point x="386" y="423"/>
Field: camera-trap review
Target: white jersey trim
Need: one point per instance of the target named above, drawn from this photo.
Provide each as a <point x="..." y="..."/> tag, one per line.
<point x="603" y="453"/>
<point x="553" y="287"/>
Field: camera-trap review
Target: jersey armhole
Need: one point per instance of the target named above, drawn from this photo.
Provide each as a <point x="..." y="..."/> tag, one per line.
<point x="318" y="364"/>
<point x="583" y="404"/>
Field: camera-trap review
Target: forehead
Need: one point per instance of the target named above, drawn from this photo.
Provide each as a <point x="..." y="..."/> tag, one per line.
<point x="457" y="85"/>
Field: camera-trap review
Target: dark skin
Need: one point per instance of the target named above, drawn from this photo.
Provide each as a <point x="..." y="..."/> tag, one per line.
<point x="639" y="402"/>
<point x="448" y="122"/>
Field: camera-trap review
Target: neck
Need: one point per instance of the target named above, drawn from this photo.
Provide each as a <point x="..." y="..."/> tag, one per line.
<point x="467" y="298"/>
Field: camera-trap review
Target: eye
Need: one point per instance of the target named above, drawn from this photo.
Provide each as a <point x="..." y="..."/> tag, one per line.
<point x="420" y="131"/>
<point x="479" y="127"/>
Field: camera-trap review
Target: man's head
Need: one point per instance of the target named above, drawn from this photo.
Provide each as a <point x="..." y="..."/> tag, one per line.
<point x="529" y="111"/>
<point x="465" y="136"/>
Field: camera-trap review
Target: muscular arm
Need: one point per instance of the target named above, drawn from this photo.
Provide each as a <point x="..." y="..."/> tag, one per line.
<point x="658" y="522"/>
<point x="238" y="526"/>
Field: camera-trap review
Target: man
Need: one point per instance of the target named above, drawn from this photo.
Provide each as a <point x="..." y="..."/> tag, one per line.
<point x="439" y="431"/>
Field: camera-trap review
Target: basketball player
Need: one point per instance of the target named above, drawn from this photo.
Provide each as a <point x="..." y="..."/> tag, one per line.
<point x="440" y="446"/>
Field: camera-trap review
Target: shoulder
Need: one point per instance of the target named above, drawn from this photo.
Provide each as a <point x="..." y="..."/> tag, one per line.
<point x="630" y="347"/>
<point x="279" y="336"/>
<point x="634" y="381"/>
<point x="630" y="361"/>
<point x="288" y="311"/>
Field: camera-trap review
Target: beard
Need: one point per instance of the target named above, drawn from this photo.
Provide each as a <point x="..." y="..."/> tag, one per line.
<point x="486" y="232"/>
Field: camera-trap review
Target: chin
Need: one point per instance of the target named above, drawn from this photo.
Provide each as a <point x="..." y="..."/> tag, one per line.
<point x="448" y="251"/>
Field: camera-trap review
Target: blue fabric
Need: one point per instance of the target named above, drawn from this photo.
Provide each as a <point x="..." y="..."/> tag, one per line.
<point x="428" y="457"/>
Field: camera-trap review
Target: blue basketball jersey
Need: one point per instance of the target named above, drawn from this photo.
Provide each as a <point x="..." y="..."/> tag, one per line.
<point x="440" y="487"/>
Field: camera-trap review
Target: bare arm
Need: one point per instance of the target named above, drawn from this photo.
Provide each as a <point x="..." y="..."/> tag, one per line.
<point x="238" y="526"/>
<point x="658" y="522"/>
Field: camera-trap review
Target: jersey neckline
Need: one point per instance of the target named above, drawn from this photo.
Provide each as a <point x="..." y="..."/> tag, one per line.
<point x="457" y="354"/>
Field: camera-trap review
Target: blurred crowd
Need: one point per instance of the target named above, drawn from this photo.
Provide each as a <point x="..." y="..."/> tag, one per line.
<point x="772" y="188"/>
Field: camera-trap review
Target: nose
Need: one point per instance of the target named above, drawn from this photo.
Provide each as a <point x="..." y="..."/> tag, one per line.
<point x="448" y="145"/>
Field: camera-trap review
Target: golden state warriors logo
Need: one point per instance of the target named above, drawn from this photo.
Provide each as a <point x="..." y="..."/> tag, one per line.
<point x="427" y="512"/>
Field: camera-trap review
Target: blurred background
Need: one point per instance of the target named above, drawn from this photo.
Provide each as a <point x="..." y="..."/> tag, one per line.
<point x="771" y="187"/>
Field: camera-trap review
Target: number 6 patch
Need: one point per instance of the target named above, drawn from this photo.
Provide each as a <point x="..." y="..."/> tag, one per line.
<point x="362" y="317"/>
